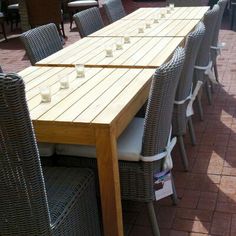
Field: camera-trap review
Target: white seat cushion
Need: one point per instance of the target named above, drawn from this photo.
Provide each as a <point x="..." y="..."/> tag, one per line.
<point x="46" y="149"/>
<point x="129" y="144"/>
<point x="82" y="3"/>
<point x="1" y="14"/>
<point x="13" y="6"/>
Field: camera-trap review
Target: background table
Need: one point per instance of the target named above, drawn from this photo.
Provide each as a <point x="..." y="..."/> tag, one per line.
<point x="148" y="52"/>
<point x="93" y="111"/>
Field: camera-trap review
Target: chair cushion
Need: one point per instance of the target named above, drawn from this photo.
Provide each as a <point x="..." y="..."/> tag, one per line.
<point x="129" y="144"/>
<point x="46" y="149"/>
<point x="83" y="3"/>
<point x="13" y="6"/>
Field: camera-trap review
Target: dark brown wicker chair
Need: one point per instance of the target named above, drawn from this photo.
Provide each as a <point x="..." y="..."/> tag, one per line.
<point x="41" y="12"/>
<point x="52" y="201"/>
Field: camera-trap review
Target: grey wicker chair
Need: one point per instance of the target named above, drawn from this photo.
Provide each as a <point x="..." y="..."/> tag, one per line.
<point x="203" y="70"/>
<point x="75" y="6"/>
<point x="52" y="201"/>
<point x="186" y="3"/>
<point x="142" y="140"/>
<point x="215" y="45"/>
<point x="114" y="10"/>
<point x="41" y="42"/>
<point x="88" y="21"/>
<point x="185" y="95"/>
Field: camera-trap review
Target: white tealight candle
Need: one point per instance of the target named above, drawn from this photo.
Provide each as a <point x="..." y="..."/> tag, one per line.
<point x="172" y="6"/>
<point x="126" y="39"/>
<point x="163" y="13"/>
<point x="64" y="83"/>
<point x="109" y="52"/>
<point x="148" y="24"/>
<point x="140" y="29"/>
<point x="119" y="44"/>
<point x="156" y="19"/>
<point x="45" y="94"/>
<point x="168" y="10"/>
<point x="80" y="70"/>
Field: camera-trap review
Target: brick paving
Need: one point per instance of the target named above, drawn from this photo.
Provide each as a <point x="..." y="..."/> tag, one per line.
<point x="207" y="193"/>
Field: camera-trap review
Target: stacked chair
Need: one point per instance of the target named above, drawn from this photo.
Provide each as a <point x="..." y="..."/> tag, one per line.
<point x="36" y="201"/>
<point x="88" y="21"/>
<point x="144" y="148"/>
<point x="114" y="10"/>
<point x="185" y="94"/>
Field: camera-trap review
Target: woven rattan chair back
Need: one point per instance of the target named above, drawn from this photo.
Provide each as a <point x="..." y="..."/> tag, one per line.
<point x="186" y="3"/>
<point x="23" y="202"/>
<point x="192" y="46"/>
<point x="179" y="121"/>
<point x="222" y="4"/>
<point x="160" y="105"/>
<point x="210" y="19"/>
<point x="114" y="10"/>
<point x="88" y="21"/>
<point x="41" y="42"/>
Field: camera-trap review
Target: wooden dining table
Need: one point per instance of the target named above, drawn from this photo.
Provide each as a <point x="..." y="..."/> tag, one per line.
<point x="94" y="110"/>
<point x="148" y="52"/>
<point x="178" y="13"/>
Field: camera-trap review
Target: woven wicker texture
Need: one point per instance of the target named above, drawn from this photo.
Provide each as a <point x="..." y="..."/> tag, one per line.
<point x="68" y="207"/>
<point x="41" y="42"/>
<point x="210" y="19"/>
<point x="186" y="3"/>
<point x="222" y="4"/>
<point x="88" y="21"/>
<point x="179" y="119"/>
<point x="114" y="10"/>
<point x="136" y="178"/>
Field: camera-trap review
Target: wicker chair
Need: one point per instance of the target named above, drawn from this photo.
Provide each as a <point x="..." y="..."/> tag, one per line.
<point x="185" y="95"/>
<point x="215" y="45"/>
<point x="88" y="21"/>
<point x="203" y="65"/>
<point x="52" y="201"/>
<point x="2" y="23"/>
<point x="41" y="42"/>
<point x="143" y="140"/>
<point x="114" y="10"/>
<point x="186" y="3"/>
<point x="80" y="5"/>
<point x="13" y="12"/>
<point x="41" y="12"/>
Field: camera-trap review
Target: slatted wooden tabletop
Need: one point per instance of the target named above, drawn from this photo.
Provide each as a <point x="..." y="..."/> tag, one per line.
<point x="148" y="52"/>
<point x="179" y="13"/>
<point x="164" y="28"/>
<point x="98" y="98"/>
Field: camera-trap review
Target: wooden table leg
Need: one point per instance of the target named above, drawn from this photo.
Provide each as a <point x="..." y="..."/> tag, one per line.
<point x="109" y="181"/>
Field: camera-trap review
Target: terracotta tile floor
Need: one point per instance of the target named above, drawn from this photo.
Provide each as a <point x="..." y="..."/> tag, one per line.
<point x="207" y="193"/>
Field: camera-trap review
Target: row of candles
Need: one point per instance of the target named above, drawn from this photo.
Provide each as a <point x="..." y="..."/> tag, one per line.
<point x="45" y="91"/>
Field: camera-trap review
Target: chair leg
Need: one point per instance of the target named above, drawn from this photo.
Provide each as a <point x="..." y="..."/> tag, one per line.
<point x="199" y="105"/>
<point x="232" y="19"/>
<point x="3" y="31"/>
<point x="153" y="219"/>
<point x="174" y="196"/>
<point x="63" y="30"/>
<point x="208" y="92"/>
<point x="183" y="154"/>
<point x="71" y="18"/>
<point x="216" y="72"/>
<point x="191" y="131"/>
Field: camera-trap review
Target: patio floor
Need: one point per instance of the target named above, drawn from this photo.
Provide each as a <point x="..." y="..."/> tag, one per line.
<point x="207" y="193"/>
